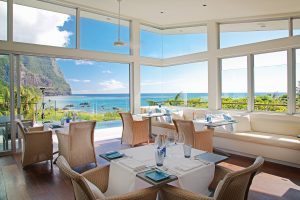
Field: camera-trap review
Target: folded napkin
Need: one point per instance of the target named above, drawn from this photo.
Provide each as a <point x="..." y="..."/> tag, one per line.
<point x="187" y="165"/>
<point x="133" y="164"/>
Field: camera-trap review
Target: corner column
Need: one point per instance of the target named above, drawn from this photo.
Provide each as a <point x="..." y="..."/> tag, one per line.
<point x="135" y="91"/>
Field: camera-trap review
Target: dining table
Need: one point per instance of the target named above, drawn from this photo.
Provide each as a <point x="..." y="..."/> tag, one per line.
<point x="194" y="174"/>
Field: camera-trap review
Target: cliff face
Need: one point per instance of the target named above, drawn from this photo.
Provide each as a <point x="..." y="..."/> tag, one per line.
<point x="37" y="72"/>
<point x="43" y="72"/>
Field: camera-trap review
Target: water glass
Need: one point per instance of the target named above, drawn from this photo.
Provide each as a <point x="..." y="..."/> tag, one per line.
<point x="159" y="157"/>
<point x="187" y="149"/>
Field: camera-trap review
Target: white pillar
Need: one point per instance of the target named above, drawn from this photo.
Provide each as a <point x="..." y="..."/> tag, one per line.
<point x="291" y="78"/>
<point x="214" y="83"/>
<point x="135" y="91"/>
<point x="250" y="82"/>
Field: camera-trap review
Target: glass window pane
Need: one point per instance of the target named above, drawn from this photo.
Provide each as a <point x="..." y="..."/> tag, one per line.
<point x="45" y="24"/>
<point x="270" y="81"/>
<point x="234" y="83"/>
<point x="5" y="143"/>
<point x="183" y="41"/>
<point x="168" y="43"/>
<point x="298" y="80"/>
<point x="180" y="85"/>
<point x="151" y="42"/>
<point x="3" y="20"/>
<point x="296" y="26"/>
<point x="246" y="33"/>
<point x="93" y="90"/>
<point x="98" y="33"/>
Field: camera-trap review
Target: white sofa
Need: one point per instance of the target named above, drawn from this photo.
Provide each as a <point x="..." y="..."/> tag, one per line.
<point x="272" y="135"/>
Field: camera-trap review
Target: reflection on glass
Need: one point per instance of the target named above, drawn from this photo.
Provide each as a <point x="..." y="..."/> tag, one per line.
<point x="151" y="42"/>
<point x="270" y="81"/>
<point x="5" y="135"/>
<point x="157" y="43"/>
<point x="180" y="85"/>
<point x="45" y="24"/>
<point x="86" y="89"/>
<point x="3" y="20"/>
<point x="246" y="33"/>
<point x="234" y="83"/>
<point x="98" y="33"/>
<point x="296" y="26"/>
<point x="298" y="80"/>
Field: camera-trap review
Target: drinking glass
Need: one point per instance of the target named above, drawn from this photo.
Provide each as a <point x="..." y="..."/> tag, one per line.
<point x="187" y="149"/>
<point x="159" y="157"/>
<point x="171" y="139"/>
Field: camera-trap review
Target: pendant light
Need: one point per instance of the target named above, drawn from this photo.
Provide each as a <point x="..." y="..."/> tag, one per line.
<point x="119" y="43"/>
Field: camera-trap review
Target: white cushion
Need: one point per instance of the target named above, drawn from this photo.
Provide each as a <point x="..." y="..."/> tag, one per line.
<point x="177" y="115"/>
<point x="96" y="191"/>
<point x="243" y="123"/>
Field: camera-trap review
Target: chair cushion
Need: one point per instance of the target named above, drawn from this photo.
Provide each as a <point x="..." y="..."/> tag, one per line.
<point x="163" y="125"/>
<point x="282" y="141"/>
<point x="243" y="123"/>
<point x="96" y="191"/>
<point x="281" y="124"/>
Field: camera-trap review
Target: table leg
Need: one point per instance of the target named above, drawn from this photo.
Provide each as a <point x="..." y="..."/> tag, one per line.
<point x="216" y="150"/>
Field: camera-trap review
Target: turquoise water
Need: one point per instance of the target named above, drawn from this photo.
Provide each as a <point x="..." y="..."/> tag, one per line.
<point x="102" y="103"/>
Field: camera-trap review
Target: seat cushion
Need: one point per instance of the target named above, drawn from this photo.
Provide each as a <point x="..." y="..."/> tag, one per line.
<point x="282" y="141"/>
<point x="281" y="124"/>
<point x="243" y="123"/>
<point x="96" y="191"/>
<point x="164" y="125"/>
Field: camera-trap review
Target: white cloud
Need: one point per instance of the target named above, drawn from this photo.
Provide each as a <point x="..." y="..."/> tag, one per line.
<point x="79" y="81"/>
<point x="111" y="85"/>
<point x="40" y="26"/>
<point x="106" y="72"/>
<point x="83" y="62"/>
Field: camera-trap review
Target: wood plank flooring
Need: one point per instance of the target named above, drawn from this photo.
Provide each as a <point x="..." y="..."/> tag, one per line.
<point x="276" y="182"/>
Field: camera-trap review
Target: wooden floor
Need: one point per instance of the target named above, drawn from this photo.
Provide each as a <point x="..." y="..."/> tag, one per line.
<point x="38" y="182"/>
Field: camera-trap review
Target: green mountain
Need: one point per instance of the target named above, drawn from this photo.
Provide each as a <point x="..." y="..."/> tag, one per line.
<point x="43" y="72"/>
<point x="37" y="72"/>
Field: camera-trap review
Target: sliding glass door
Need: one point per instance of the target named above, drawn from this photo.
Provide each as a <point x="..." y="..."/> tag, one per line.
<point x="5" y="101"/>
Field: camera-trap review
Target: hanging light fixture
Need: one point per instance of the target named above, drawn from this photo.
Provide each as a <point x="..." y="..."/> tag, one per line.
<point x="119" y="43"/>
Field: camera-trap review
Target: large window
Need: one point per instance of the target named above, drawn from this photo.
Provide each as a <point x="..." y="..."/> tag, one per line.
<point x="183" y="41"/>
<point x="168" y="43"/>
<point x="44" y="23"/>
<point x="92" y="90"/>
<point x="270" y="81"/>
<point x="246" y="33"/>
<point x="296" y="26"/>
<point x="180" y="85"/>
<point x="151" y="42"/>
<point x="298" y="80"/>
<point x="234" y="83"/>
<point x="5" y="136"/>
<point x="98" y="33"/>
<point x="3" y="20"/>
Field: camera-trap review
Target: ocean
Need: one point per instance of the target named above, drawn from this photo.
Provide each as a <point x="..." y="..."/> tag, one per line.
<point x="101" y="103"/>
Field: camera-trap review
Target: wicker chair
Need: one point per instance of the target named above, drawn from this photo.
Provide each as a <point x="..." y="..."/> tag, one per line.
<point x="91" y="184"/>
<point x="202" y="140"/>
<point x="77" y="146"/>
<point x="231" y="185"/>
<point x="134" y="132"/>
<point x="37" y="144"/>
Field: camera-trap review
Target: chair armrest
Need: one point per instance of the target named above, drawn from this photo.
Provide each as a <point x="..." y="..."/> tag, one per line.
<point x="63" y="143"/>
<point x="145" y="194"/>
<point x="220" y="173"/>
<point x="169" y="192"/>
<point x="98" y="176"/>
<point x="38" y="128"/>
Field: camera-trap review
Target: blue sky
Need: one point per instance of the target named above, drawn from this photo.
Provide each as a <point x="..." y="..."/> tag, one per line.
<point x="100" y="77"/>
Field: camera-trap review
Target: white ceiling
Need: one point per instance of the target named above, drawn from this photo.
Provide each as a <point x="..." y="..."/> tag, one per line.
<point x="191" y="11"/>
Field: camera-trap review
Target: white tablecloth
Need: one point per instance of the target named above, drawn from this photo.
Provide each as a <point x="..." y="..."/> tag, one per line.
<point x="193" y="175"/>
